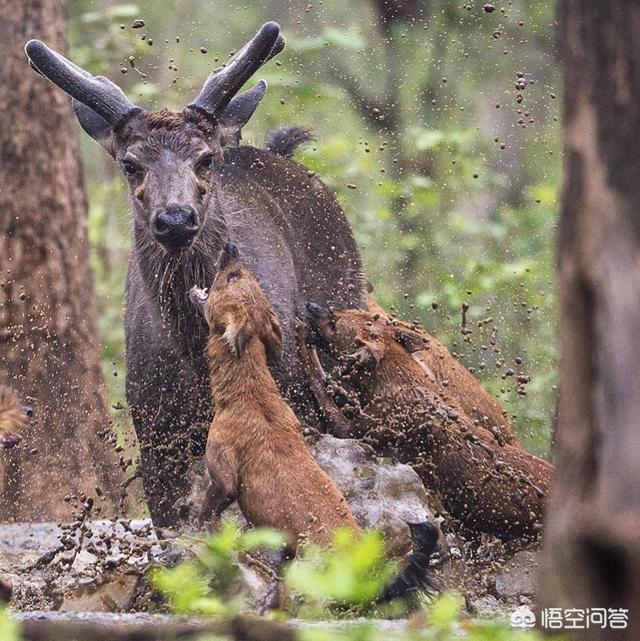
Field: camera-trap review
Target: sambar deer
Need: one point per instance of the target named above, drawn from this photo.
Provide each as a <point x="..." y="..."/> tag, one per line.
<point x="193" y="188"/>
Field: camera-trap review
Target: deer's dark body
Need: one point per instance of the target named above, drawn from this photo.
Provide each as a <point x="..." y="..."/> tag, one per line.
<point x="294" y="237"/>
<point x="192" y="189"/>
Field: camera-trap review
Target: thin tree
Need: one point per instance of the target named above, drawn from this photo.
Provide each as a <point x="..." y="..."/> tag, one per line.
<point x="592" y="539"/>
<point x="48" y="337"/>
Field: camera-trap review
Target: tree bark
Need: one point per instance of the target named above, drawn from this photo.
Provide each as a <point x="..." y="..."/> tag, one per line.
<point x="592" y="540"/>
<point x="48" y="337"/>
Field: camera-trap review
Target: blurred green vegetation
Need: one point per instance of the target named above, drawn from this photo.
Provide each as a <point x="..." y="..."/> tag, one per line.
<point x="344" y="579"/>
<point x="211" y="583"/>
<point x="351" y="573"/>
<point x="438" y="131"/>
<point x="8" y="627"/>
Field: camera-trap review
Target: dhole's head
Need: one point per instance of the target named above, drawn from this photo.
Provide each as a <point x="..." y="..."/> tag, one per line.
<point x="13" y="418"/>
<point x="360" y="336"/>
<point x="236" y="307"/>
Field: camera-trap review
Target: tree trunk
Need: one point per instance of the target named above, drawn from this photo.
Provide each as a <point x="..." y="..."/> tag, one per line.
<point x="592" y="541"/>
<point x="48" y="336"/>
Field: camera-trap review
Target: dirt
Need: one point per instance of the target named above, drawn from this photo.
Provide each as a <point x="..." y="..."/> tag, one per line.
<point x="93" y="567"/>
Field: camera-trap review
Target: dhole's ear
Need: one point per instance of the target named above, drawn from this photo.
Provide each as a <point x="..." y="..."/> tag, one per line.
<point x="240" y="110"/>
<point x="238" y="335"/>
<point x="411" y="340"/>
<point x="368" y="355"/>
<point x="273" y="340"/>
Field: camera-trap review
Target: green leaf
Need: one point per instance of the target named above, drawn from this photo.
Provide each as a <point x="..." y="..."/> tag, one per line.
<point x="9" y="628"/>
<point x="444" y="611"/>
<point x="183" y="586"/>
<point x="262" y="537"/>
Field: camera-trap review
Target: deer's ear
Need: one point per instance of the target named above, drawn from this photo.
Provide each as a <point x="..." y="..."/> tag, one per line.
<point x="240" y="110"/>
<point x="94" y="124"/>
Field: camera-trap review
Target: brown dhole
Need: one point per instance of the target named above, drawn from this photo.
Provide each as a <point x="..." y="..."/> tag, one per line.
<point x="13" y="418"/>
<point x="447" y="377"/>
<point x="489" y="486"/>
<point x="255" y="452"/>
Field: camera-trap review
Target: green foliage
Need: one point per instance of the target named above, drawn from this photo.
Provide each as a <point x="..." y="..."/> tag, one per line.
<point x="187" y="590"/>
<point x="442" y="620"/>
<point x="9" y="629"/>
<point x="351" y="573"/>
<point x="209" y="584"/>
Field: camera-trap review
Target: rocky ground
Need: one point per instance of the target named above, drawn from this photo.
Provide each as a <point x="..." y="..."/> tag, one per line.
<point x="100" y="566"/>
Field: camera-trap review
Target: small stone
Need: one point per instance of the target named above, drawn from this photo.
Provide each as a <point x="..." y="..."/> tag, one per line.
<point x="137" y="24"/>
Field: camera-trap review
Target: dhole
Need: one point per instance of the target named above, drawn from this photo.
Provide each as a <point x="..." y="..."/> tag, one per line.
<point x="489" y="486"/>
<point x="448" y="377"/>
<point x="255" y="452"/>
<point x="13" y="418"/>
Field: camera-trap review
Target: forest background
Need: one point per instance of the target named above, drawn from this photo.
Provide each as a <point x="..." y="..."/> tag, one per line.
<point x="435" y="123"/>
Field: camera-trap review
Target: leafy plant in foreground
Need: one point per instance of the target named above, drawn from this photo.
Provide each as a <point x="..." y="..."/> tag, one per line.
<point x="209" y="584"/>
<point x="328" y="584"/>
<point x="9" y="629"/>
<point x="352" y="573"/>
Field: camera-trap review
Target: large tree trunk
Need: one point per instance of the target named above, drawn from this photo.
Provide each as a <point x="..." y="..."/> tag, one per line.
<point x="48" y="346"/>
<point x="592" y="542"/>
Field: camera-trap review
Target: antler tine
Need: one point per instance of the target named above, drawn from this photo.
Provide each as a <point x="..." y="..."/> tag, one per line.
<point x="97" y="93"/>
<point x="277" y="47"/>
<point x="225" y="83"/>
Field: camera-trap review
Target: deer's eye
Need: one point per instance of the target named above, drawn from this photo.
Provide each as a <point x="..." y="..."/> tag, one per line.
<point x="232" y="275"/>
<point x="130" y="168"/>
<point x="204" y="164"/>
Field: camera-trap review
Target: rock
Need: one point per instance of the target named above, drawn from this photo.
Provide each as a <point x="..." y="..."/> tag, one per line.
<point x="486" y="606"/>
<point x="518" y="576"/>
<point x="381" y="493"/>
<point x="98" y="570"/>
<point x="112" y="592"/>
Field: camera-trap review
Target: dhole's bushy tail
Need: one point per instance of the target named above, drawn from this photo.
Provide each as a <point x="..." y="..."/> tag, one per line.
<point x="414" y="579"/>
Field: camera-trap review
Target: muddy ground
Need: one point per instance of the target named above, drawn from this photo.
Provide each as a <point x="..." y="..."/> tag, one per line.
<point x="100" y="566"/>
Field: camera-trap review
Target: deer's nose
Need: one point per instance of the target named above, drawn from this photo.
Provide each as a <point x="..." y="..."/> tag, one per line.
<point x="176" y="226"/>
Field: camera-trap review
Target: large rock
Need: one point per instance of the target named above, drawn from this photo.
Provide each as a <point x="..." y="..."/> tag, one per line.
<point x="381" y="493"/>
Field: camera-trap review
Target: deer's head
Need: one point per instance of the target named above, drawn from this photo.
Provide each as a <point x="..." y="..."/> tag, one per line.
<point x="168" y="158"/>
